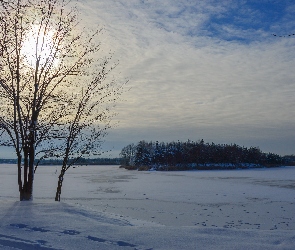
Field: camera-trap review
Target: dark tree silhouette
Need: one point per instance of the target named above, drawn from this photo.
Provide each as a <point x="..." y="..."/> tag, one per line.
<point x="55" y="98"/>
<point x="195" y="155"/>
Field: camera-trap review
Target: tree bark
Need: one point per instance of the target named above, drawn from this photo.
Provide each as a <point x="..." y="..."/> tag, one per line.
<point x="26" y="191"/>
<point x="59" y="184"/>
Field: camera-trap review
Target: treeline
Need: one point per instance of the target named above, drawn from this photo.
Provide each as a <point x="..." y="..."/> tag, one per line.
<point x="85" y="161"/>
<point x="81" y="161"/>
<point x="290" y="160"/>
<point x="195" y="155"/>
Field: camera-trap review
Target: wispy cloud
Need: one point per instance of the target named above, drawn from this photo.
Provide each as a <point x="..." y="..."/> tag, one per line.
<point x="206" y="69"/>
<point x="212" y="67"/>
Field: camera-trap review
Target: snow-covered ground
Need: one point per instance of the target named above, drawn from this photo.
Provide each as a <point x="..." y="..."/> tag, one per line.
<point x="104" y="207"/>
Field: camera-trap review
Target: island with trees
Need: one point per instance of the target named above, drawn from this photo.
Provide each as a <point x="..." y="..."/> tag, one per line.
<point x="197" y="155"/>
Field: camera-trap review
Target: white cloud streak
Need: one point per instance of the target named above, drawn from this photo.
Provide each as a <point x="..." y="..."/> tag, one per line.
<point x="188" y="82"/>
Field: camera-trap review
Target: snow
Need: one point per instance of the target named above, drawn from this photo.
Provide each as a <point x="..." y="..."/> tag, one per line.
<point x="104" y="207"/>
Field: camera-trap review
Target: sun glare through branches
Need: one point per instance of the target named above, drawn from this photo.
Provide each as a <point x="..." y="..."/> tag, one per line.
<point x="39" y="46"/>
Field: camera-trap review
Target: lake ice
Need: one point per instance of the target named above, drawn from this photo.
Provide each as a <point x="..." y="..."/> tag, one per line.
<point x="104" y="207"/>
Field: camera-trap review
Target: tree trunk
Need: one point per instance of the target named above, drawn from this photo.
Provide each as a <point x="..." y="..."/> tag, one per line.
<point x="59" y="184"/>
<point x="26" y="195"/>
<point x="26" y="191"/>
<point x="19" y="172"/>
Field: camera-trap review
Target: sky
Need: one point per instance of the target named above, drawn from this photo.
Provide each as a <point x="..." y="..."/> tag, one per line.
<point x="206" y="69"/>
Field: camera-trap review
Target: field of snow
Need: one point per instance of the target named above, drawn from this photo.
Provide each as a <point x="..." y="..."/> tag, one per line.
<point x="104" y="207"/>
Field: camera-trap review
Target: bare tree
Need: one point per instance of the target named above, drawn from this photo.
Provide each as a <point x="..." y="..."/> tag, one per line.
<point x="55" y="97"/>
<point x="89" y="122"/>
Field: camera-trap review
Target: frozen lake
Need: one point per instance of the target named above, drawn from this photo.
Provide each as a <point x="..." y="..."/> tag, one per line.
<point x="231" y="209"/>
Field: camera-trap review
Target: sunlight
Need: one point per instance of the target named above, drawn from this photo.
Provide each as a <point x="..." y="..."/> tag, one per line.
<point x="40" y="44"/>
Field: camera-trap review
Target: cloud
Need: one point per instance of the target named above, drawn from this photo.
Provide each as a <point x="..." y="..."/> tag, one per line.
<point x="201" y="66"/>
<point x="201" y="69"/>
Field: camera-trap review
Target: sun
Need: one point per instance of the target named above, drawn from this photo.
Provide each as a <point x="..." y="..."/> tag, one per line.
<point x="40" y="44"/>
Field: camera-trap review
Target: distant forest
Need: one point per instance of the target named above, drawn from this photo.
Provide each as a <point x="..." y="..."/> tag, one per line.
<point x="197" y="155"/>
<point x="82" y="161"/>
<point x="183" y="156"/>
